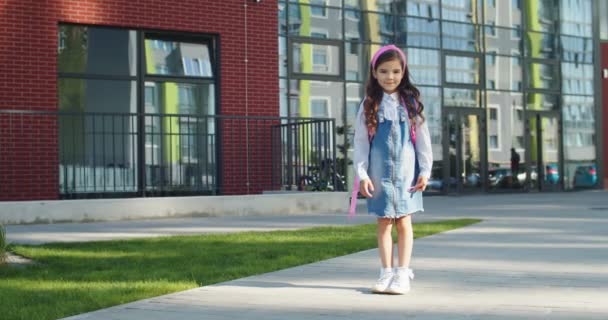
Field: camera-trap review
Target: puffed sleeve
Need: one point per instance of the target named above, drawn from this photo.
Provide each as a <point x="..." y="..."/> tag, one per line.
<point x="361" y="144"/>
<point x="424" y="151"/>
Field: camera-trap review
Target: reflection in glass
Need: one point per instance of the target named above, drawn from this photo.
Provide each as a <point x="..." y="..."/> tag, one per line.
<point x="282" y="57"/>
<point x="579" y="50"/>
<point x="168" y="57"/>
<point x="541" y="45"/>
<point x="460" y="69"/>
<point x="376" y="28"/>
<point x="576" y="17"/>
<point x="542" y="15"/>
<point x="503" y="42"/>
<point x="97" y="150"/>
<point x="431" y="98"/>
<point x="543" y="76"/>
<point x="579" y="144"/>
<point x="312" y="58"/>
<point x="463" y="10"/>
<point x="544" y="147"/>
<point x="464" y="152"/>
<point x="179" y="138"/>
<point x="315" y="21"/>
<point x="425" y="9"/>
<point x="320" y="99"/>
<point x="423" y="66"/>
<point x="577" y="78"/>
<point x="371" y="5"/>
<point x="357" y="57"/>
<point x="503" y="13"/>
<point x="504" y="73"/>
<point x="419" y="32"/>
<point x="454" y="97"/>
<point x="95" y="50"/>
<point x="505" y="125"/>
<point x="460" y="36"/>
<point x="540" y="101"/>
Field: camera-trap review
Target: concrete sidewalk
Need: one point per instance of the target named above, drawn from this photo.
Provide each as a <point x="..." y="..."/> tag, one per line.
<point x="535" y="256"/>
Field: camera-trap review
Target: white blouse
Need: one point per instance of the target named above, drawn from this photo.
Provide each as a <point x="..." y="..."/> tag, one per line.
<point x="390" y="103"/>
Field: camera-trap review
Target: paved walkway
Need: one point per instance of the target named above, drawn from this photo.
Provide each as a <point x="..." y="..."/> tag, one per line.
<point x="535" y="256"/>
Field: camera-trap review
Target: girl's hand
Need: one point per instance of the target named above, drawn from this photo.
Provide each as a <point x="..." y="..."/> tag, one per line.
<point x="421" y="183"/>
<point x="366" y="187"/>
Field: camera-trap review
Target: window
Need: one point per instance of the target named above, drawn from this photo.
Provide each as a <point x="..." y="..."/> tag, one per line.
<point x="491" y="84"/>
<point x="319" y="108"/>
<point x="318" y="9"/>
<point x="516" y="32"/>
<point x="493" y="142"/>
<point x="98" y="75"/>
<point x="516" y="4"/>
<point x="493" y="113"/>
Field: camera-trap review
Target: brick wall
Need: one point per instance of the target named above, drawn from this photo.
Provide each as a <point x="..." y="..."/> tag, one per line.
<point x="28" y="73"/>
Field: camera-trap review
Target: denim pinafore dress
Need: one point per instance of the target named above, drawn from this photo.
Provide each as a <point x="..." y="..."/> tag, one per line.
<point x="393" y="168"/>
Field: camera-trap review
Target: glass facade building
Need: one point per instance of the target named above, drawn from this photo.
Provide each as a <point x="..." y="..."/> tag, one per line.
<point x="509" y="87"/>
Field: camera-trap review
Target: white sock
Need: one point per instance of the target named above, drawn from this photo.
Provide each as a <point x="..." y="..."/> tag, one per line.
<point x="384" y="271"/>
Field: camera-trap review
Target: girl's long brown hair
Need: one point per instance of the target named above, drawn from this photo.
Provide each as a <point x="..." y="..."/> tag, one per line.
<point x="374" y="94"/>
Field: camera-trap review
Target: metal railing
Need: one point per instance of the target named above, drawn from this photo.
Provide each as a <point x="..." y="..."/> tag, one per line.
<point x="130" y="154"/>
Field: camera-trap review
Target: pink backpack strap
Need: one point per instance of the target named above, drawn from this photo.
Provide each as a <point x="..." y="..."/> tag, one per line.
<point x="356" y="185"/>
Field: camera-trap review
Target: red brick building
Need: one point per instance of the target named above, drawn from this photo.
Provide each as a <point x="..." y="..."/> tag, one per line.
<point x="106" y="57"/>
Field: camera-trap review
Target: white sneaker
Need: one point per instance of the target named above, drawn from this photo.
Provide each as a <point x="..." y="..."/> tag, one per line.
<point x="401" y="281"/>
<point x="383" y="282"/>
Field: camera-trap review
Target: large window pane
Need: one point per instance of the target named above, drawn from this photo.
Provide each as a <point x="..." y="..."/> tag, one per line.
<point x="94" y="50"/>
<point x="505" y="132"/>
<point x="357" y="57"/>
<point x="460" y="36"/>
<point x="97" y="149"/>
<point x="82" y="95"/>
<point x="579" y="142"/>
<point x="376" y="27"/>
<point x="461" y="10"/>
<point x="370" y="5"/>
<point x="461" y="69"/>
<point x="541" y="45"/>
<point x="319" y="99"/>
<point x="310" y="58"/>
<point x="419" y="32"/>
<point x="579" y="50"/>
<point x="576" y="17"/>
<point x="453" y="97"/>
<point x="315" y="21"/>
<point x="503" y="13"/>
<point x="502" y="41"/>
<point x="577" y="78"/>
<point x="431" y="99"/>
<point x="542" y="15"/>
<point x="503" y="73"/>
<point x="282" y="57"/>
<point x="543" y="76"/>
<point x="174" y="58"/>
<point x="424" y="66"/>
<point x="179" y="139"/>
<point x="426" y="9"/>
<point x="540" y="101"/>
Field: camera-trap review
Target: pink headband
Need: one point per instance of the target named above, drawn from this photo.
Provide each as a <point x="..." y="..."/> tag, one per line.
<point x="385" y="49"/>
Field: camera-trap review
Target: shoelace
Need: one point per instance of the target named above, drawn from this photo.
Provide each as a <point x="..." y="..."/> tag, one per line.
<point x="385" y="277"/>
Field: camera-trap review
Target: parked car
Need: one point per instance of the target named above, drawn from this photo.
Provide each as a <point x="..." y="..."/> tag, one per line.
<point x="585" y="176"/>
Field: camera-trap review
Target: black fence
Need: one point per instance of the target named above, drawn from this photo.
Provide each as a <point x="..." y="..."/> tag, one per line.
<point x="121" y="155"/>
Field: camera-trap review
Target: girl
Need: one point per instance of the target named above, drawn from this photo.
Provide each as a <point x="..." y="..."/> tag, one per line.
<point x="392" y="161"/>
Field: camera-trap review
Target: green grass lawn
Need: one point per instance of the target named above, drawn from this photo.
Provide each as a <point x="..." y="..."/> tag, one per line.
<point x="73" y="278"/>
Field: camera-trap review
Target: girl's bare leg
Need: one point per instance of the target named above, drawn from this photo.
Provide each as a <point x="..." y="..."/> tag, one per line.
<point x="385" y="242"/>
<point x="405" y="236"/>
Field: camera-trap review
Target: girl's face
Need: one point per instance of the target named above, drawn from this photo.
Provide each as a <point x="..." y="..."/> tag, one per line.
<point x="389" y="75"/>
